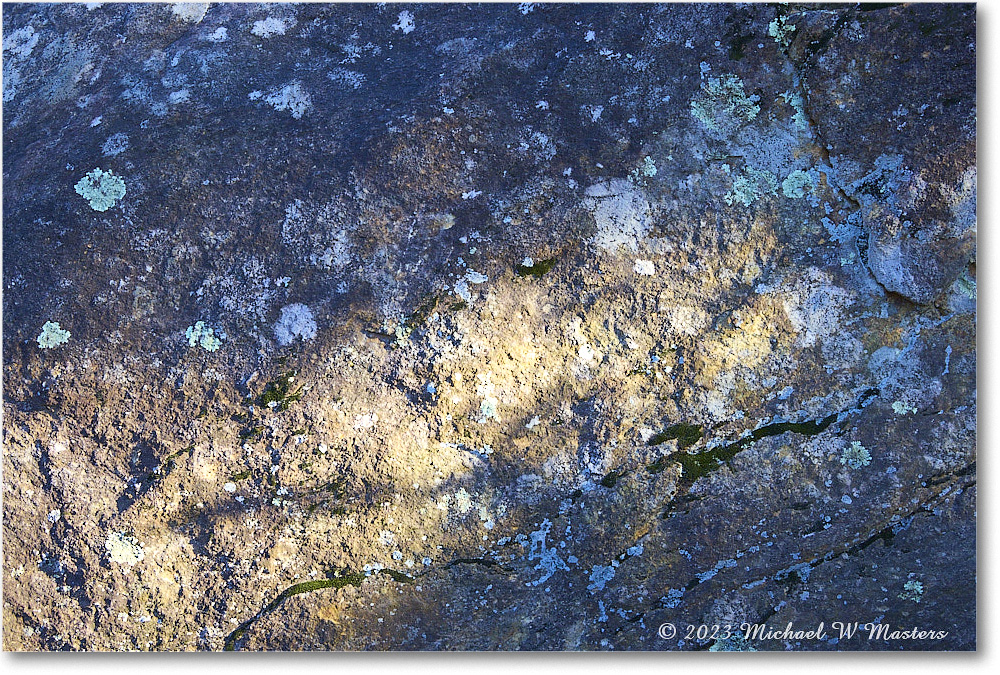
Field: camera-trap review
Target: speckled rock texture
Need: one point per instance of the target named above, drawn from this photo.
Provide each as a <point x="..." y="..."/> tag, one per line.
<point x="489" y="327"/>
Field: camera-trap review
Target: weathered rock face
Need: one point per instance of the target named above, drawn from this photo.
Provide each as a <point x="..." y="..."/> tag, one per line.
<point x="488" y="327"/>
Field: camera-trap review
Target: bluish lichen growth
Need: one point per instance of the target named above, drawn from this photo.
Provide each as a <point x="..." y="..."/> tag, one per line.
<point x="750" y="186"/>
<point x="734" y="643"/>
<point x="796" y="184"/>
<point x="599" y="576"/>
<point x="199" y="334"/>
<point x="52" y="335"/>
<point x="102" y="189"/>
<point x="912" y="590"/>
<point x="855" y="456"/>
<point x="723" y="106"/>
<point x="781" y="31"/>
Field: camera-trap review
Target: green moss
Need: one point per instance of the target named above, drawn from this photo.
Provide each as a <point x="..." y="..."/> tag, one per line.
<point x="537" y="269"/>
<point x="278" y="393"/>
<point x="696" y="465"/>
<point x="686" y="435"/>
<point x="610" y="480"/>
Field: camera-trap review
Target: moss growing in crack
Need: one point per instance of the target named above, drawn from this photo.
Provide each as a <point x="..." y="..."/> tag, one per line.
<point x="278" y="393"/>
<point x="686" y="435"/>
<point x="535" y="269"/>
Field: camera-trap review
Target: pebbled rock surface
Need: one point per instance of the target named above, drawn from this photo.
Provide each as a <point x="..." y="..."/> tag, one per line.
<point x="522" y="327"/>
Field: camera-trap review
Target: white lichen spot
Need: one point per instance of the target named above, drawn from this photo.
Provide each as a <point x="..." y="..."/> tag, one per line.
<point x="102" y="189"/>
<point x="644" y="268"/>
<point x="179" y="96"/>
<point x="476" y="277"/>
<point x="462" y="291"/>
<point x="533" y="423"/>
<point x="123" y="549"/>
<point x="549" y="561"/>
<point x="271" y="26"/>
<point x="20" y="42"/>
<point x="621" y="213"/>
<point x="589" y="36"/>
<point x="386" y="538"/>
<point x="220" y="35"/>
<point x="200" y="334"/>
<point x="488" y="410"/>
<point x="463" y="501"/>
<point x="229" y="487"/>
<point x="405" y="22"/>
<point x="292" y="97"/>
<point x="52" y="335"/>
<point x="296" y="321"/>
<point x="115" y="145"/>
<point x="54" y="515"/>
<point x="365" y="422"/>
<point x="190" y="12"/>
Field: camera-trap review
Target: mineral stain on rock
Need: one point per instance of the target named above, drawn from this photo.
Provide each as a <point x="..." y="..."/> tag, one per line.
<point x="488" y="327"/>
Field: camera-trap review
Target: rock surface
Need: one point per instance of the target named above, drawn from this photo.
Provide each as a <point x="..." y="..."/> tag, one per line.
<point x="489" y="327"/>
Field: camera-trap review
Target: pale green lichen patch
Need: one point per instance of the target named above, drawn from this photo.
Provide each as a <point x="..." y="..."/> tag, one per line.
<point x="781" y="31"/>
<point x="52" y="335"/>
<point x="901" y="408"/>
<point x="798" y="104"/>
<point x="200" y="334"/>
<point x="797" y="184"/>
<point x="101" y="188"/>
<point x="123" y="549"/>
<point x="647" y="169"/>
<point x="855" y="456"/>
<point x="750" y="186"/>
<point x="912" y="590"/>
<point x="722" y="105"/>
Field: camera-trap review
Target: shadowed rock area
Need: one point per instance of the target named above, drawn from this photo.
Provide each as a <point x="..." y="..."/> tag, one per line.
<point x="489" y="327"/>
